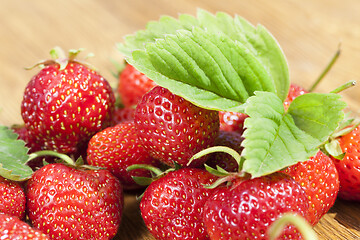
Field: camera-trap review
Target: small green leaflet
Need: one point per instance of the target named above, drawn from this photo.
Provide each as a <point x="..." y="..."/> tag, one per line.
<point x="275" y="139"/>
<point x="13" y="156"/>
<point x="317" y="114"/>
<point x="216" y="62"/>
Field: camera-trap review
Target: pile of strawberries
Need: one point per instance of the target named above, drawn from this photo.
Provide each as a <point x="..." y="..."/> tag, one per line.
<point x="86" y="149"/>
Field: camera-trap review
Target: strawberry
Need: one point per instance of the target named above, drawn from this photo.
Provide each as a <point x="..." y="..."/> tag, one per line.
<point x="320" y="180"/>
<point x="245" y="208"/>
<point x="232" y="121"/>
<point x="294" y="91"/>
<point x="229" y="139"/>
<point x="68" y="203"/>
<point x="133" y="85"/>
<point x="65" y="104"/>
<point x="33" y="145"/>
<point x="173" y="129"/>
<point x="23" y="134"/>
<point x="349" y="166"/>
<point x="172" y="206"/>
<point x="117" y="148"/>
<point x="12" y="228"/>
<point x="12" y="198"/>
<point x="123" y="114"/>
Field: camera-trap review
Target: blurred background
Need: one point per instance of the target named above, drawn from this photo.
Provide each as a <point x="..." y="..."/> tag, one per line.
<point x="308" y="31"/>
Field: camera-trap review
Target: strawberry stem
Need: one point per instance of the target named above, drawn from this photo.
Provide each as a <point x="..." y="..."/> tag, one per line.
<point x="61" y="156"/>
<point x="153" y="169"/>
<point x="327" y="69"/>
<point x="214" y="149"/>
<point x="298" y="221"/>
<point x="344" y="87"/>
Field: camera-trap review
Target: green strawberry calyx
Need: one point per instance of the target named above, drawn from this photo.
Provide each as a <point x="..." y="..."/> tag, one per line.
<point x="156" y="173"/>
<point x="332" y="146"/>
<point x="224" y="176"/>
<point x="145" y="181"/>
<point x="63" y="158"/>
<point x="58" y="56"/>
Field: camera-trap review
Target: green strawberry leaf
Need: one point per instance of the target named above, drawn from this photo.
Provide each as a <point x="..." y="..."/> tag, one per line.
<point x="224" y="63"/>
<point x="275" y="139"/>
<point x="13" y="156"/>
<point x="216" y="62"/>
<point x="318" y="114"/>
<point x="258" y="40"/>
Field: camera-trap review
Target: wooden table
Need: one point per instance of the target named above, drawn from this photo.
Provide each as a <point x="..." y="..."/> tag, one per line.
<point x="309" y="32"/>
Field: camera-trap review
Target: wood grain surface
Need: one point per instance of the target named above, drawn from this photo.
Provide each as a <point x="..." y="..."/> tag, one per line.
<point x="309" y="32"/>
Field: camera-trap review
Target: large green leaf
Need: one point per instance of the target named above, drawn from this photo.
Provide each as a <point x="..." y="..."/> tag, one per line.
<point x="275" y="139"/>
<point x="210" y="69"/>
<point x="222" y="59"/>
<point x="13" y="156"/>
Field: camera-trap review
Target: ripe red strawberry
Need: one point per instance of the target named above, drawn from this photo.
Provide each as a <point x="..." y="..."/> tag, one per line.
<point x="12" y="228"/>
<point x="320" y="180"/>
<point x="123" y="114"/>
<point x="117" y="148"/>
<point x="245" y="209"/>
<point x="172" y="206"/>
<point x="23" y="134"/>
<point x="232" y="121"/>
<point x="294" y="91"/>
<point x="133" y="85"/>
<point x="12" y="198"/>
<point x="349" y="167"/>
<point x="224" y="160"/>
<point x="63" y="106"/>
<point x="33" y="145"/>
<point x="173" y="129"/>
<point x="67" y="203"/>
